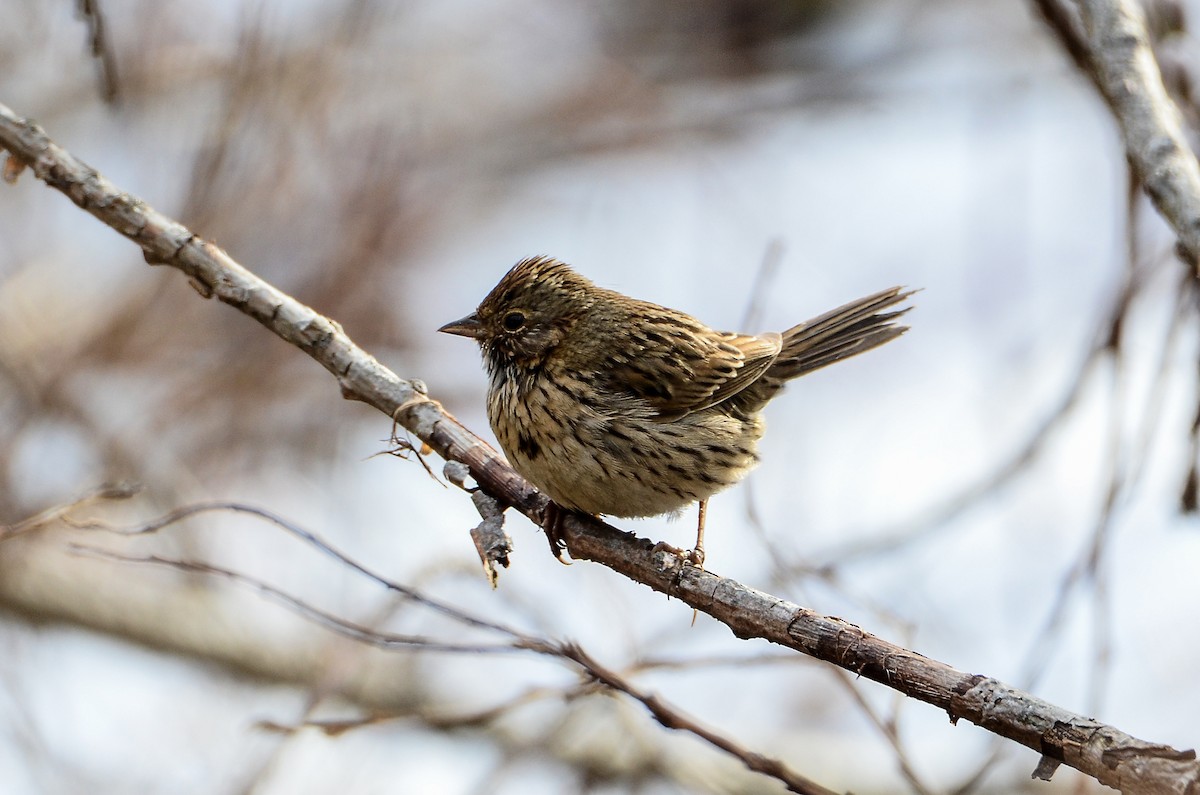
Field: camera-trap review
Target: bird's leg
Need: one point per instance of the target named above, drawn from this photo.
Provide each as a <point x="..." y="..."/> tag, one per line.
<point x="696" y="556"/>
<point x="552" y="523"/>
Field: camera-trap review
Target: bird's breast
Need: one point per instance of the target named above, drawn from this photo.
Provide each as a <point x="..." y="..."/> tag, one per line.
<point x="602" y="454"/>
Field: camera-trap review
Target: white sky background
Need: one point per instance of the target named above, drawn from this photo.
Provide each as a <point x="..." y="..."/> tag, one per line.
<point x="968" y="160"/>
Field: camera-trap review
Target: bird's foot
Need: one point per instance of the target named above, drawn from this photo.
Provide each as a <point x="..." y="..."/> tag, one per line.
<point x="692" y="556"/>
<point x="552" y="522"/>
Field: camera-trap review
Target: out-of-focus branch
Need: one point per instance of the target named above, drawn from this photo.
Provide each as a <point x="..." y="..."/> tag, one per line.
<point x="109" y="491"/>
<point x="1114" y="50"/>
<point x="510" y="639"/>
<point x="44" y="579"/>
<point x="100" y="48"/>
<point x="1103" y="752"/>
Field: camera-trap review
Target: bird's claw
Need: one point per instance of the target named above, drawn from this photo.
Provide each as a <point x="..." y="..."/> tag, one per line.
<point x="552" y="523"/>
<point x="692" y="556"/>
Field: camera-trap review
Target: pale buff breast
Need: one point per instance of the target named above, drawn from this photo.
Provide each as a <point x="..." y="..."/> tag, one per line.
<point x="618" y="462"/>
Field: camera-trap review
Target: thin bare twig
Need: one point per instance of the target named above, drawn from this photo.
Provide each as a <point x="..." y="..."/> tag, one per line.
<point x="890" y="731"/>
<point x="308" y="537"/>
<point x="329" y="621"/>
<point x="672" y="718"/>
<point x="512" y="641"/>
<point x="61" y="513"/>
<point x="101" y="49"/>
<point x="939" y="518"/>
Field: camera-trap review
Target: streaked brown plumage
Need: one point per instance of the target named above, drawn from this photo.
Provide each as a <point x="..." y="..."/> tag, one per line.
<point x="611" y="405"/>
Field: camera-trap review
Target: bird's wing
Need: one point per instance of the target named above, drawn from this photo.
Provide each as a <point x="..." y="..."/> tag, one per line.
<point x="678" y="369"/>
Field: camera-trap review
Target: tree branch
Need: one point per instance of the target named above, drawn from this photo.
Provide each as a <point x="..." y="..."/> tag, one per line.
<point x="1114" y="51"/>
<point x="1103" y="752"/>
<point x="661" y="710"/>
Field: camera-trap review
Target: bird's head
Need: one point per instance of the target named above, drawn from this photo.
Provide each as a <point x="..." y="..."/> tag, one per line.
<point x="528" y="314"/>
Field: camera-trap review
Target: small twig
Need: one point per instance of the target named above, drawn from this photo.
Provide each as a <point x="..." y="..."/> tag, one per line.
<point x="890" y="731"/>
<point x="101" y="49"/>
<point x="482" y="717"/>
<point x="767" y="268"/>
<point x="514" y="641"/>
<point x="672" y="718"/>
<point x="1063" y="20"/>
<point x="976" y="777"/>
<point x="308" y="537"/>
<point x="61" y="513"/>
<point x="940" y="518"/>
<point x="711" y="661"/>
<point x="402" y="447"/>
<point x="336" y="624"/>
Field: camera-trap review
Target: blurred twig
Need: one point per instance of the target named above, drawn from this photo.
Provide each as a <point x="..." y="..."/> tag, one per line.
<point x="509" y="639"/>
<point x="101" y="49"/>
<point x="888" y="726"/>
<point x="179" y="514"/>
<point x="59" y="513"/>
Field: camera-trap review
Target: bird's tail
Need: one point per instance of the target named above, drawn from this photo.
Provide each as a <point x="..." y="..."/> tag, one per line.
<point x="838" y="334"/>
<point x="847" y="331"/>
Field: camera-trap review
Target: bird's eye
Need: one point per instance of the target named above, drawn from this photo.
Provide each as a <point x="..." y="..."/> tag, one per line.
<point x="514" y="320"/>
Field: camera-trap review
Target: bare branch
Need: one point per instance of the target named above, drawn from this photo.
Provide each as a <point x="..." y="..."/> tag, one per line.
<point x="1114" y="50"/>
<point x="512" y="641"/>
<point x="308" y="537"/>
<point x="329" y="621"/>
<point x="108" y="491"/>
<point x="671" y="718"/>
<point x="101" y="49"/>
<point x="890" y="730"/>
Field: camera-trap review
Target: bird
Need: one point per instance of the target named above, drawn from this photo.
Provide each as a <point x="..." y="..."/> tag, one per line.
<point x="614" y="406"/>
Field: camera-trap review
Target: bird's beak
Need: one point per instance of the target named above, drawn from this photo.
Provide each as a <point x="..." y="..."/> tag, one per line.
<point x="468" y="326"/>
